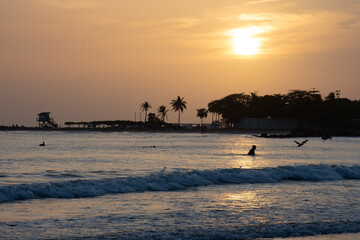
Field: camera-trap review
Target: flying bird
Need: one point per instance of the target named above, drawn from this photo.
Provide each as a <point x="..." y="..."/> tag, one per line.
<point x="300" y="144"/>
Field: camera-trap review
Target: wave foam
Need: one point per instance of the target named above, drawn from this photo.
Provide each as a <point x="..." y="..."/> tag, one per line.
<point x="177" y="180"/>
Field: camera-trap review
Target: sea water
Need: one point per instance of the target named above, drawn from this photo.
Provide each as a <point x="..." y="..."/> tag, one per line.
<point x="139" y="185"/>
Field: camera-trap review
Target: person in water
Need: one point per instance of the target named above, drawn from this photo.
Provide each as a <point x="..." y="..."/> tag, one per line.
<point x="42" y="144"/>
<point x="252" y="150"/>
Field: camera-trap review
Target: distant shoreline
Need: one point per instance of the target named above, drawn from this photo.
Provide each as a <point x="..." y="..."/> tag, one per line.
<point x="193" y="130"/>
<point x="257" y="133"/>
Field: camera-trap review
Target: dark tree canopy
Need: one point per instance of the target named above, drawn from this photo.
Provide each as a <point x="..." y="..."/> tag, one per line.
<point x="178" y="105"/>
<point x="331" y="112"/>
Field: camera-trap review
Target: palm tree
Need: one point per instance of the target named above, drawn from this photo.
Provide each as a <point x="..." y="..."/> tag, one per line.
<point x="202" y="113"/>
<point x="215" y="107"/>
<point x="144" y="107"/>
<point x="178" y="105"/>
<point x="162" y="112"/>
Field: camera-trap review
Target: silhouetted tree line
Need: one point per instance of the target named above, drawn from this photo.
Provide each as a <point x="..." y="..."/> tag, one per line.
<point x="103" y="124"/>
<point x="153" y="123"/>
<point x="332" y="112"/>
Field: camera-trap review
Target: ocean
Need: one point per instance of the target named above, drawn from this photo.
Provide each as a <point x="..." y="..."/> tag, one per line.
<point x="154" y="185"/>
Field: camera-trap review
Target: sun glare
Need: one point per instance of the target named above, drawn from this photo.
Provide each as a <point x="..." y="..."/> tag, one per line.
<point x="245" y="41"/>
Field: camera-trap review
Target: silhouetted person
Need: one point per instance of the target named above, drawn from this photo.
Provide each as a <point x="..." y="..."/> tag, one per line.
<point x="325" y="137"/>
<point x="42" y="144"/>
<point x="300" y="144"/>
<point x="252" y="150"/>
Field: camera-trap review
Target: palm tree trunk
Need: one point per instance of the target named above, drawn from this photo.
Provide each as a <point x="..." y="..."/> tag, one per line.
<point x="179" y="118"/>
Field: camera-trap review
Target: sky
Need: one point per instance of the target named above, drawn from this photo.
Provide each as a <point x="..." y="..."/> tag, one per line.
<point x="85" y="60"/>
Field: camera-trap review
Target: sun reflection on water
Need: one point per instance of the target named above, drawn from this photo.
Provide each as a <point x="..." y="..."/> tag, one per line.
<point x="245" y="199"/>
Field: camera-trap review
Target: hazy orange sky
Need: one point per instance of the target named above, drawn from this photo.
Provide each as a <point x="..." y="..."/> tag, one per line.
<point x="86" y="60"/>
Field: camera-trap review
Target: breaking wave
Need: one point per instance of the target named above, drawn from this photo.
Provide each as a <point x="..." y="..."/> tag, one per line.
<point x="177" y="180"/>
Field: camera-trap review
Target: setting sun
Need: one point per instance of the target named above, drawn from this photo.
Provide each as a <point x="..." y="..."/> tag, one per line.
<point x="244" y="40"/>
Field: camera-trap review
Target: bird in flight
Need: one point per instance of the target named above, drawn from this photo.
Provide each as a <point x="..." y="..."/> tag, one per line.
<point x="300" y="144"/>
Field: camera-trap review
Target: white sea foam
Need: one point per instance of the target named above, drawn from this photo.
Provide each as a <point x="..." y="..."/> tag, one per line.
<point x="177" y="180"/>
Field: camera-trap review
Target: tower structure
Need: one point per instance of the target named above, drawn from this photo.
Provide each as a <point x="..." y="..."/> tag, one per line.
<point x="45" y="121"/>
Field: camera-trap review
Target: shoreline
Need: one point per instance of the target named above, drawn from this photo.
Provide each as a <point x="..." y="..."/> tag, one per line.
<point x="193" y="130"/>
<point x="258" y="133"/>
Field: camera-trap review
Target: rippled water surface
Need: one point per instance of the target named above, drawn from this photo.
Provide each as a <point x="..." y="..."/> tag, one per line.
<point x="114" y="186"/>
